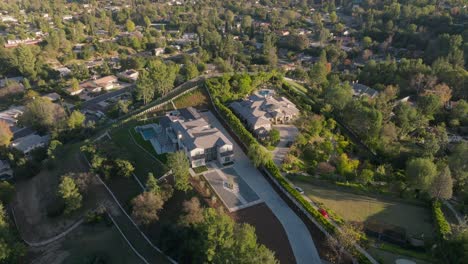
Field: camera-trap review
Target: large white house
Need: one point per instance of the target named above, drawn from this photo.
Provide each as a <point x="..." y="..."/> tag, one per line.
<point x="186" y="130"/>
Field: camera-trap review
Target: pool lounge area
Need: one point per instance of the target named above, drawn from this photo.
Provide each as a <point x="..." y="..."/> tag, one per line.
<point x="158" y="138"/>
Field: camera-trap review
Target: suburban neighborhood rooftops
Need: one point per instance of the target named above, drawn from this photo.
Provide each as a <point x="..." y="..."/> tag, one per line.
<point x="361" y="89"/>
<point x="30" y="142"/>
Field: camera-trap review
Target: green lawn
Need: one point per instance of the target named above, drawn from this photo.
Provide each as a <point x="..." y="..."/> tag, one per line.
<point x="297" y="86"/>
<point x="360" y="208"/>
<point x="142" y="161"/>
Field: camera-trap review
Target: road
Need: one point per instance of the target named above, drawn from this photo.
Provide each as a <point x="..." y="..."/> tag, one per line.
<point x="298" y="235"/>
<point x="100" y="98"/>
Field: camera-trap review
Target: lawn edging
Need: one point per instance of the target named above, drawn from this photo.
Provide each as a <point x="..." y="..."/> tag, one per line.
<point x="247" y="139"/>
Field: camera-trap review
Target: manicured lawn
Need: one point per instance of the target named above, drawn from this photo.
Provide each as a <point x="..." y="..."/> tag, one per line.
<point x="361" y="208"/>
<point x="297" y="86"/>
<point x="142" y="161"/>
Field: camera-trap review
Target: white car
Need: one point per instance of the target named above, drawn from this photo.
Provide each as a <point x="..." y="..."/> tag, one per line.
<point x="299" y="189"/>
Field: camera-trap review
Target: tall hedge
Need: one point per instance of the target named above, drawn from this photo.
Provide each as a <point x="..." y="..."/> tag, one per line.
<point x="443" y="228"/>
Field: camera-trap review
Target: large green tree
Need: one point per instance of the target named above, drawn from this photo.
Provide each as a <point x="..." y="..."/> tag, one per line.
<point x="70" y="194"/>
<point x="421" y="173"/>
<point x="42" y="114"/>
<point x="179" y="164"/>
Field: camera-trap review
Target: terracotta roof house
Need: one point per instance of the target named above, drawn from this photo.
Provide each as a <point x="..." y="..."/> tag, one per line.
<point x="262" y="109"/>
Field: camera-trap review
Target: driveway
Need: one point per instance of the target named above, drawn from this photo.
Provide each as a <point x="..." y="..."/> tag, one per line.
<point x="288" y="133"/>
<point x="298" y="235"/>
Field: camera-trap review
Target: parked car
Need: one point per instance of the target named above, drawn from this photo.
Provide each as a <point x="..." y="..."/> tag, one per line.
<point x="323" y="212"/>
<point x="299" y="189"/>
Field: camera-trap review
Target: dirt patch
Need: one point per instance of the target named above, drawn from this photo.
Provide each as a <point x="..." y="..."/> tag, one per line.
<point x="34" y="196"/>
<point x="269" y="230"/>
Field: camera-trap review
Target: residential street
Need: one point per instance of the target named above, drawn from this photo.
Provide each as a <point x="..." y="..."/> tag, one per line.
<point x="299" y="236"/>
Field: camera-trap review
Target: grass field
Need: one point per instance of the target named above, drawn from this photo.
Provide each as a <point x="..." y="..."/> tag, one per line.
<point x="361" y="208"/>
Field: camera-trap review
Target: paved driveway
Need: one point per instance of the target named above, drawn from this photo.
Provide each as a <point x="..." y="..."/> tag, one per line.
<point x="288" y="133"/>
<point x="299" y="236"/>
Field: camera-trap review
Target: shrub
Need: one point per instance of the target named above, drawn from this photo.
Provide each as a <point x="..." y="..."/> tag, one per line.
<point x="443" y="228"/>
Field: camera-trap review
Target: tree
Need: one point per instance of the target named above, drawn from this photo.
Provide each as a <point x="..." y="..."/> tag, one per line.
<point x="7" y="190"/>
<point x="224" y="241"/>
<point x="129" y="25"/>
<point x="366" y="176"/>
<point x="152" y="184"/>
<point x="459" y="166"/>
<point x="179" y="164"/>
<point x="75" y="85"/>
<point x="191" y="71"/>
<point x="421" y="172"/>
<point x="70" y="194"/>
<point x="42" y="114"/>
<point x="275" y="136"/>
<point x="144" y="87"/>
<point x="346" y="166"/>
<point x="124" y="168"/>
<point x="10" y="248"/>
<point x="366" y="42"/>
<point x="442" y="185"/>
<point x="429" y="104"/>
<point x="338" y="96"/>
<point x="5" y="134"/>
<point x="76" y="120"/>
<point x="259" y="155"/>
<point x="193" y="212"/>
<point x="344" y="240"/>
<point x="145" y="208"/>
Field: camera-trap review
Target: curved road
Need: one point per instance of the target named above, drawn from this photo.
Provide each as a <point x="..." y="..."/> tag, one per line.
<point x="299" y="236"/>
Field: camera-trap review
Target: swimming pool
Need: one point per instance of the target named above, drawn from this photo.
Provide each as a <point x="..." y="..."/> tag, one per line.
<point x="148" y="133"/>
<point x="264" y="92"/>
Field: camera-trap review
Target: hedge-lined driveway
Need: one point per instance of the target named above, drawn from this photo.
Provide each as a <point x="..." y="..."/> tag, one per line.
<point x="299" y="236"/>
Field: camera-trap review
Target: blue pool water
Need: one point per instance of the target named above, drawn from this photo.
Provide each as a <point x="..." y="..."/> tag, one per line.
<point x="264" y="92"/>
<point x="148" y="133"/>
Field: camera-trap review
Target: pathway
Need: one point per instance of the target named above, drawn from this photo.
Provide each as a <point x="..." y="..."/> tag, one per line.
<point x="299" y="236"/>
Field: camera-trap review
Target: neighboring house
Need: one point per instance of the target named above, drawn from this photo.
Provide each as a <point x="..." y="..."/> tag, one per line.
<point x="96" y="86"/>
<point x="64" y="71"/>
<point x="186" y="130"/>
<point x="131" y="75"/>
<point x="107" y="83"/>
<point x="29" y="143"/>
<point x="11" y="115"/>
<point x="158" y="51"/>
<point x="360" y="90"/>
<point x="5" y="170"/>
<point x="53" y="97"/>
<point x="72" y="91"/>
<point x="263" y="109"/>
<point x="5" y="81"/>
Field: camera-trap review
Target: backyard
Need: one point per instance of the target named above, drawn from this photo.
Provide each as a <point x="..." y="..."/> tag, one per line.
<point x="360" y="208"/>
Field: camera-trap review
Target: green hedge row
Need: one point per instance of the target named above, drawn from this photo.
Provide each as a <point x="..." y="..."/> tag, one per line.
<point x="275" y="172"/>
<point x="235" y="124"/>
<point x="443" y="228"/>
